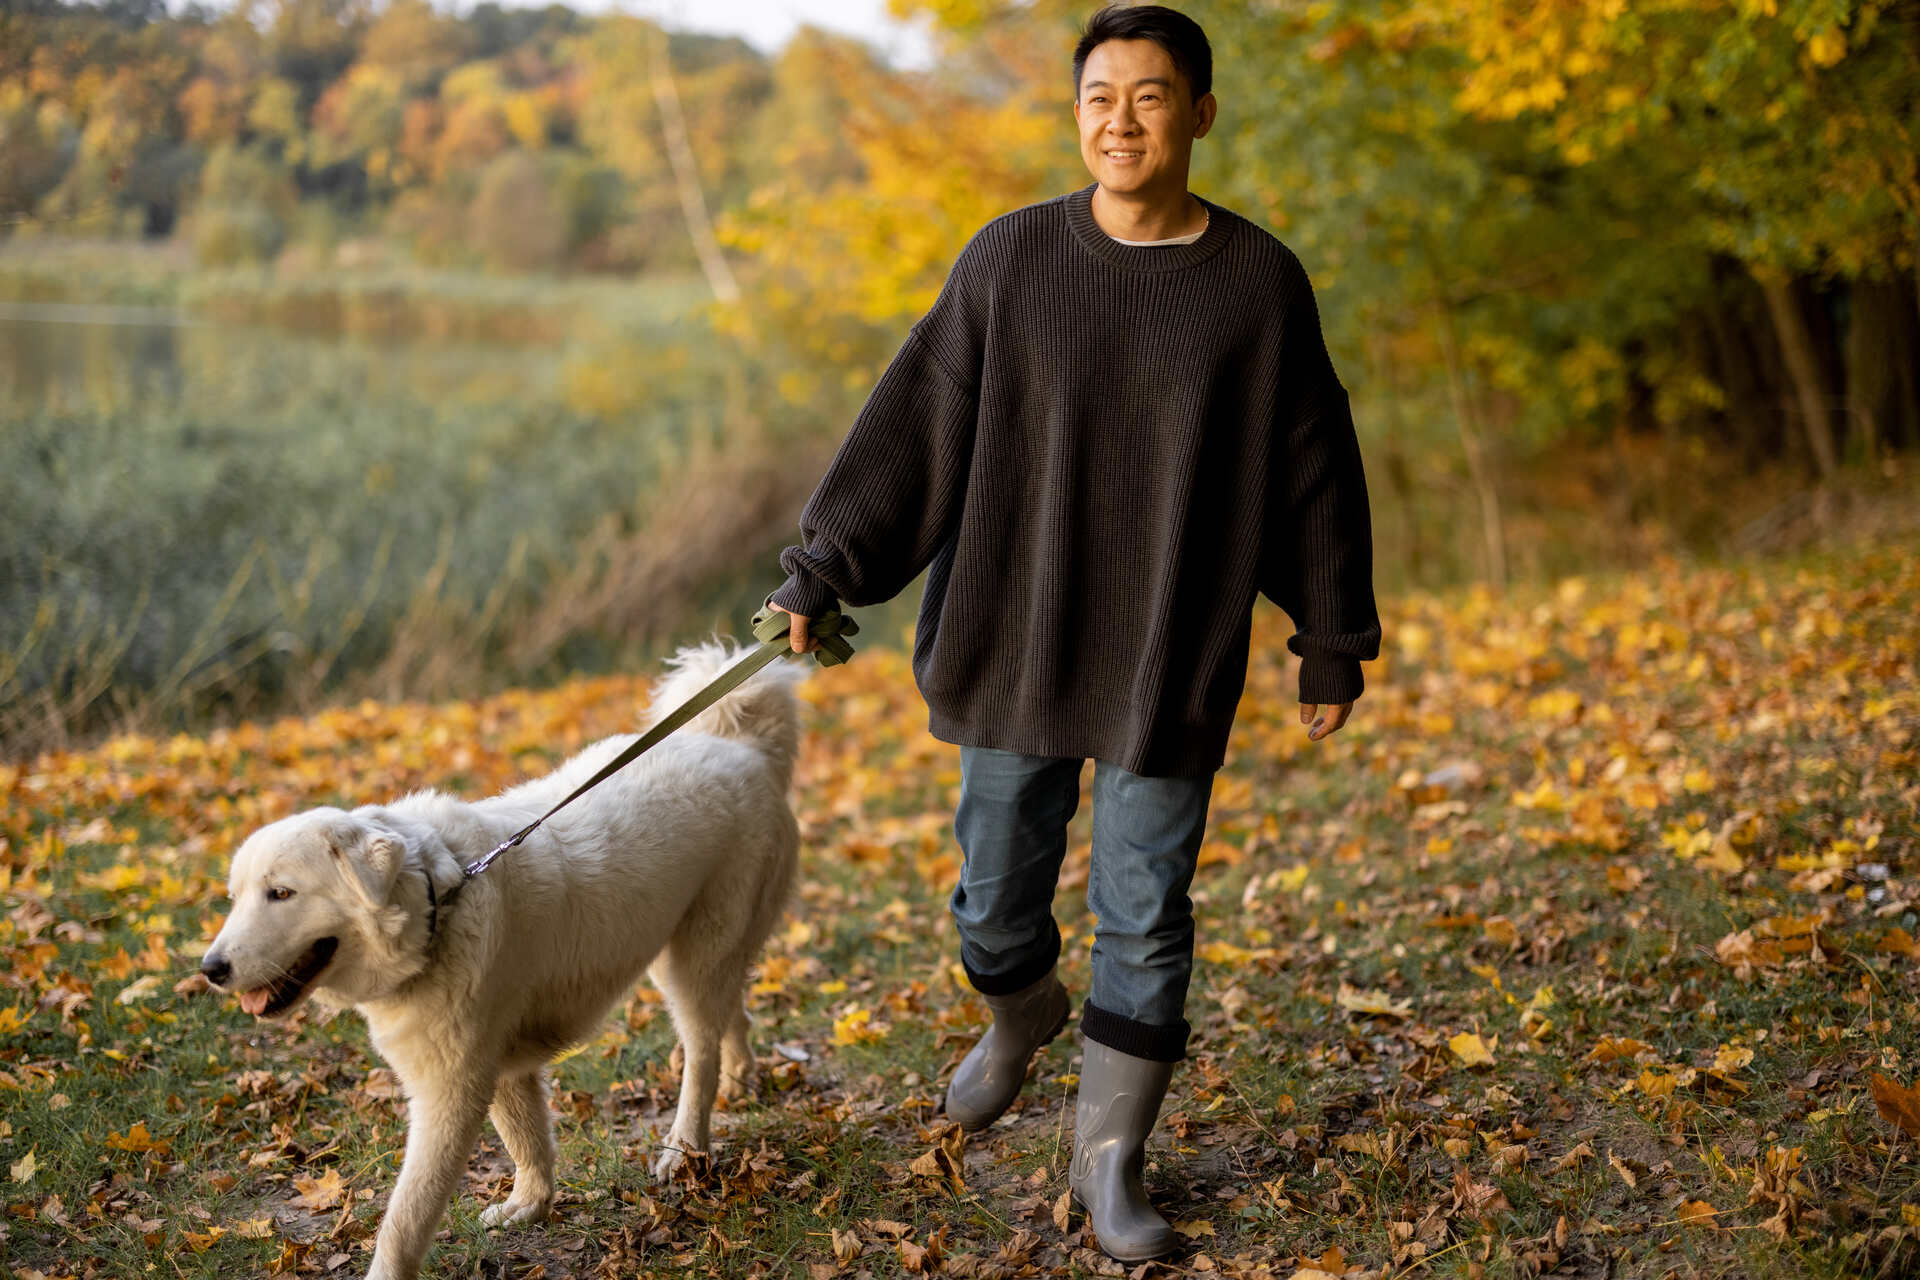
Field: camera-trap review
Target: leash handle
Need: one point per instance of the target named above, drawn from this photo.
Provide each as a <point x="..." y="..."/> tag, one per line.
<point x="830" y="628"/>
<point x="772" y="627"/>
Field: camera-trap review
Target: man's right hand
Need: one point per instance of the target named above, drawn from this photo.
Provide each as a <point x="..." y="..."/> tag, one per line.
<point x="797" y="630"/>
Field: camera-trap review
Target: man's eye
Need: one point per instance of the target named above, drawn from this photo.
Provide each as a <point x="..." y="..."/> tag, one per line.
<point x="277" y="894"/>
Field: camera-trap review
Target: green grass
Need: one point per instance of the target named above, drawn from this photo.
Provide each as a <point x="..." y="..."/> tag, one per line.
<point x="1298" y="1125"/>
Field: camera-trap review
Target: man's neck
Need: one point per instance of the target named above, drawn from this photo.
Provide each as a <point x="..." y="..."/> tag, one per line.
<point x="1147" y="217"/>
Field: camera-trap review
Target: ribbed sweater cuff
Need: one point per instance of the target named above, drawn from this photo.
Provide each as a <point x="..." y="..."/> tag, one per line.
<point x="1329" y="679"/>
<point x="804" y="594"/>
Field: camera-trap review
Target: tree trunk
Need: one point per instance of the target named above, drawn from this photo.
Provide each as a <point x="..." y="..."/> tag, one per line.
<point x="1470" y="444"/>
<point x="1803" y="365"/>
<point x="686" y="174"/>
<point x="1399" y="474"/>
<point x="1741" y="364"/>
<point x="1881" y="355"/>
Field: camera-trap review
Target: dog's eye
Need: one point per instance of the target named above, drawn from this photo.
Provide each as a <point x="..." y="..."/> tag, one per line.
<point x="278" y="894"/>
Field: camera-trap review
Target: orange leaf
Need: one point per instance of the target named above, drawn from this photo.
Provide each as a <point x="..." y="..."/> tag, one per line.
<point x="1900" y="1106"/>
<point x="323" y="1192"/>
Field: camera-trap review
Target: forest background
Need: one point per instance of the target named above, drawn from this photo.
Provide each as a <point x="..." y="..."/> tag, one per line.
<point x="384" y="350"/>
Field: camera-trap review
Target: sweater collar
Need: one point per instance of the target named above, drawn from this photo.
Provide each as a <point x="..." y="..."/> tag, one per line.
<point x="1148" y="258"/>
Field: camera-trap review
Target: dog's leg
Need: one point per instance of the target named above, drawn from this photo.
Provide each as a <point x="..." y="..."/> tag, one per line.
<point x="520" y="1115"/>
<point x="700" y="1021"/>
<point x="441" y="1130"/>
<point x="736" y="1057"/>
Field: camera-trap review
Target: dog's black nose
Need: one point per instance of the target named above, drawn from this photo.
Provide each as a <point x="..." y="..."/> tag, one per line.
<point x="217" y="971"/>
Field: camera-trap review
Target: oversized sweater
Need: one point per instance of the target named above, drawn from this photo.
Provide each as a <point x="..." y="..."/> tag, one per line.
<point x="1101" y="454"/>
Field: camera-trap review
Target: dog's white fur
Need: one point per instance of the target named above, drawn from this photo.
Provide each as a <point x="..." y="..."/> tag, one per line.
<point x="682" y="861"/>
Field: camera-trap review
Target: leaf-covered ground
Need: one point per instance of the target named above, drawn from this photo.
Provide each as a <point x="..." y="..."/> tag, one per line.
<point x="1588" y="948"/>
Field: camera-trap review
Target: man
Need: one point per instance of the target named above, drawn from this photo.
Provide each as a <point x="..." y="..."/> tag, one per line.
<point x="1115" y="428"/>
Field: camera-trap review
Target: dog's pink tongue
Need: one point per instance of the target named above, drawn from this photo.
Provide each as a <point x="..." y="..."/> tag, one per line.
<point x="255" y="1001"/>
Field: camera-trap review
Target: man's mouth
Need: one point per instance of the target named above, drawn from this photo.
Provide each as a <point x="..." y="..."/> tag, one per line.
<point x="279" y="995"/>
<point x="1124" y="155"/>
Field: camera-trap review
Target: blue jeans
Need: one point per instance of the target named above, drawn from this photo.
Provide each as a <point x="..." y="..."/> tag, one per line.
<point x="1012" y="829"/>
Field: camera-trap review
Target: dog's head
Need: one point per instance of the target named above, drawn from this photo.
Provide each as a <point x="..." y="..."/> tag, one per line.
<point x="310" y="910"/>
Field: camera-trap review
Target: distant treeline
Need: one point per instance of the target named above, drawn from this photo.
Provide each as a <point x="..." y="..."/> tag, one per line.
<point x="516" y="139"/>
<point x="1693" y="221"/>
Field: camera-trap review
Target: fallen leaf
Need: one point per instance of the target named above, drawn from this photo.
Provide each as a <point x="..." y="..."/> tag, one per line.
<point x="139" y="989"/>
<point x="323" y="1192"/>
<point x="1332" y="1263"/>
<point x="1373" y="1002"/>
<point x="1572" y="1158"/>
<point x="136" y="1139"/>
<point x="1898" y="1105"/>
<point x="1612" y="1049"/>
<point x="1471" y="1050"/>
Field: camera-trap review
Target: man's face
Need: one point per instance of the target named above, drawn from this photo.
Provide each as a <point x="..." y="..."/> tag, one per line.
<point x="1138" y="118"/>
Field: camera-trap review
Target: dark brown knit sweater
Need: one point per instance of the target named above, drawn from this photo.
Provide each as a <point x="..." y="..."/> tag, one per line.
<point x="1101" y="453"/>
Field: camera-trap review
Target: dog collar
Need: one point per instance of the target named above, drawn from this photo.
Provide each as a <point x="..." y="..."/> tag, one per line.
<point x="433" y="906"/>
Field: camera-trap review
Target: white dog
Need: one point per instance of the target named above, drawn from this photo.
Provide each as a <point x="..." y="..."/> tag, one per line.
<point x="682" y="861"/>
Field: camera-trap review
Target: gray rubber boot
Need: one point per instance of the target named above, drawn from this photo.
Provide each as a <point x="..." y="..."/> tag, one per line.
<point x="1120" y="1098"/>
<point x="988" y="1079"/>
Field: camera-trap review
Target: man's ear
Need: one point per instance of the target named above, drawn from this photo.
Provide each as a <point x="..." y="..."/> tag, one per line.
<point x="1205" y="110"/>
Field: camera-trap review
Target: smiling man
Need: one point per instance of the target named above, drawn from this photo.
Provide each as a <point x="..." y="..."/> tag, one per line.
<point x="1116" y="428"/>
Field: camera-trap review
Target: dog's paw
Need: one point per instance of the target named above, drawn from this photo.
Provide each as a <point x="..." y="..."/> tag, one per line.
<point x="513" y="1211"/>
<point x="671" y="1160"/>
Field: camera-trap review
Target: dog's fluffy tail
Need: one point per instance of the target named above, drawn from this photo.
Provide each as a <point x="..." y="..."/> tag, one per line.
<point x="761" y="711"/>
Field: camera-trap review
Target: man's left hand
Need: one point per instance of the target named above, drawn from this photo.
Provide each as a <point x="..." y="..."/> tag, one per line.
<point x="1321" y="721"/>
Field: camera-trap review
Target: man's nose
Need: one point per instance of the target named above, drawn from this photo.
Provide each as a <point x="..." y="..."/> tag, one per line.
<point x="216" y="969"/>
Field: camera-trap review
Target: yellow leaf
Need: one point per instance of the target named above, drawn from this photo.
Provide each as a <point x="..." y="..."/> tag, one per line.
<point x="140" y="989"/>
<point x="1471" y="1050"/>
<point x="1376" y="1002"/>
<point x="1732" y="1057"/>
<point x="137" y="1139"/>
<point x="1502" y="930"/>
<point x="857" y="1027"/>
<point x="323" y="1192"/>
<point x="1827" y="46"/>
<point x="1291" y="879"/>
<point x="23" y="1168"/>
<point x="201" y="1243"/>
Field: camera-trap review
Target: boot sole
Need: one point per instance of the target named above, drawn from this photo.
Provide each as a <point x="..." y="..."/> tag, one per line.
<point x="1172" y="1247"/>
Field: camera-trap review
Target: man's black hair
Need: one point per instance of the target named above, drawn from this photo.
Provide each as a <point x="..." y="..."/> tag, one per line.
<point x="1173" y="31"/>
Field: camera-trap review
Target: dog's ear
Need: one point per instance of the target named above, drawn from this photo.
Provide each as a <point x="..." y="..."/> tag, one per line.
<point x="370" y="863"/>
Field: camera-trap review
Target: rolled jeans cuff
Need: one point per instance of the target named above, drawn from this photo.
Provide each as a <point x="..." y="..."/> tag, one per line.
<point x="1136" y="1039"/>
<point x="1023" y="975"/>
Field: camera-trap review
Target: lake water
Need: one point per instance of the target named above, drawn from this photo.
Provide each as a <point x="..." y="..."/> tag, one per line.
<point x="189" y="499"/>
<point x="88" y="359"/>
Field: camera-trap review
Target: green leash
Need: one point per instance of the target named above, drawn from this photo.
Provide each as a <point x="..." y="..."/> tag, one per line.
<point x="771" y="628"/>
